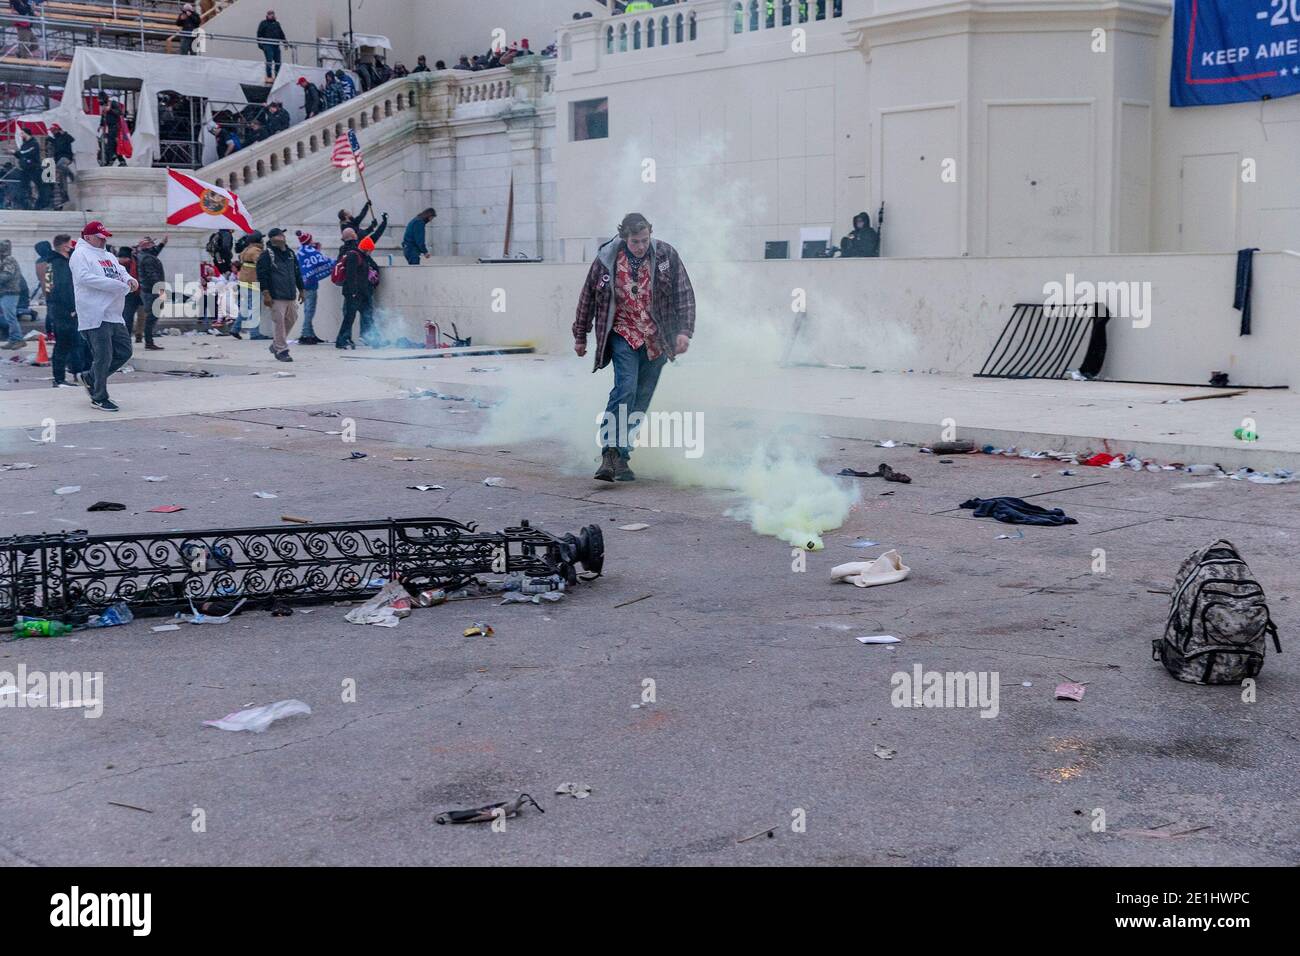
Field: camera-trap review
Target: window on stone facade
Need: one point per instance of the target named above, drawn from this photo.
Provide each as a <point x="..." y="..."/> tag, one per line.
<point x="590" y="120"/>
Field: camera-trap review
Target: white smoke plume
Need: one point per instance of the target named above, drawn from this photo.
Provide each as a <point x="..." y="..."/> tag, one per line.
<point x="742" y="334"/>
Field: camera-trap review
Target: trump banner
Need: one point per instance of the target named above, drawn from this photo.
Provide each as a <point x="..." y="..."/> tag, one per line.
<point x="1234" y="51"/>
<point x="194" y="204"/>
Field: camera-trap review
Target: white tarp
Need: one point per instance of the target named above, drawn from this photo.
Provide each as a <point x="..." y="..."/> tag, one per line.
<point x="376" y="40"/>
<point x="213" y="78"/>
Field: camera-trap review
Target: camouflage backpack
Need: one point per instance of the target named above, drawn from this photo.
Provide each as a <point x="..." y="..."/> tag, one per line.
<point x="1218" y="622"/>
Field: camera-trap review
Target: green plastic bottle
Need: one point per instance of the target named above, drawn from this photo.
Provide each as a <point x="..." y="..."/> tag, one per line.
<point x="39" y="627"/>
<point x="1245" y="434"/>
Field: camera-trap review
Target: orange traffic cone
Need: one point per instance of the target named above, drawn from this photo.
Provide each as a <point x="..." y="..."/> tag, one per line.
<point x="42" y="354"/>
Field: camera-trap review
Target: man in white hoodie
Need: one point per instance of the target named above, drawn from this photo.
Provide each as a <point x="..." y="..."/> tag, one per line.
<point x="101" y="285"/>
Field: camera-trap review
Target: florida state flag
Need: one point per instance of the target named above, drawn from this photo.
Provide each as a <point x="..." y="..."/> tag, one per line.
<point x="194" y="204"/>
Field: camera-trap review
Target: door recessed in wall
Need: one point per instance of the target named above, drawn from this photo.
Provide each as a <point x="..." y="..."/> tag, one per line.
<point x="589" y="119"/>
<point x="1208" y="207"/>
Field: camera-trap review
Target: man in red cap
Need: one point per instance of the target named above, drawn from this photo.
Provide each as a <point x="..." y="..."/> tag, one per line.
<point x="101" y="285"/>
<point x="313" y="98"/>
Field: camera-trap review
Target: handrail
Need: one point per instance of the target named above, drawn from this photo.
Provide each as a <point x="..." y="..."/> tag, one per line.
<point x="396" y="98"/>
<point x="162" y="34"/>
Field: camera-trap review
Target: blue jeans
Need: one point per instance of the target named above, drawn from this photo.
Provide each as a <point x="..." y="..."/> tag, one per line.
<point x="308" y="313"/>
<point x="9" y="318"/>
<point x="635" y="380"/>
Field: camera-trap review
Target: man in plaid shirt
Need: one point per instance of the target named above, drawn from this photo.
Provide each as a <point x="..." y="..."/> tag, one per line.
<point x="641" y="303"/>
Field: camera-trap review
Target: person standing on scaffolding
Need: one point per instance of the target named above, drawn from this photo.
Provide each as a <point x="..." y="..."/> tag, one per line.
<point x="270" y="30"/>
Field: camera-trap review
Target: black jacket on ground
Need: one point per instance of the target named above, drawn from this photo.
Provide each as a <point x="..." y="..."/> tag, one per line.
<point x="279" y="274"/>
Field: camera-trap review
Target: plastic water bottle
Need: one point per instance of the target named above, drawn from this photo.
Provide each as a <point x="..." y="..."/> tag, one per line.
<point x="39" y="627"/>
<point x="1245" y="434"/>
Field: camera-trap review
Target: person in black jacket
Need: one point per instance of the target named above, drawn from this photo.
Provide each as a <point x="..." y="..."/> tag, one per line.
<point x="277" y="118"/>
<point x="153" y="285"/>
<point x="280" y="279"/>
<point x="270" y="30"/>
<point x="61" y="303"/>
<point x="188" y="21"/>
<point x="357" y="290"/>
<point x="29" y="164"/>
<point x="374" y="231"/>
<point x="221" y="248"/>
<point x="110" y="124"/>
<point x="313" y="98"/>
<point x="60" y="144"/>
<point x="863" y="242"/>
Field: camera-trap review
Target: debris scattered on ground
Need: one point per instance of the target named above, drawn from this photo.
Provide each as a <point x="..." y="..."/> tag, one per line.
<point x="492" y="482"/>
<point x="257" y="719"/>
<point x="1202" y="398"/>
<point x="507" y="808"/>
<point x="886" y="569"/>
<point x="195" y="617"/>
<point x="479" y="630"/>
<point x="496" y="368"/>
<point x="884" y="471"/>
<point x="264" y="494"/>
<point x="633" y="527"/>
<point x="113" y="616"/>
<point x="294" y="519"/>
<point x="516" y="597"/>
<point x="1159" y="833"/>
<point x="579" y="790"/>
<point x="327" y="413"/>
<point x="154" y="477"/>
<point x="1070" y="691"/>
<point x="67" y="490"/>
<point x="425" y="488"/>
<point x="961" y="447"/>
<point x="385" y="609"/>
<point x="128" y="806"/>
<point x="879" y="639"/>
<point x="887" y="443"/>
<point x="770" y="831"/>
<point x="159" y="628"/>
<point x="166" y="509"/>
<point x="1017" y="511"/>
<point x="1001" y="537"/>
<point x="863" y="543"/>
<point x="634" y="600"/>
<point x="17" y="466"/>
<point x="107" y="506"/>
<point x="356" y="456"/>
<point x="885" y="753"/>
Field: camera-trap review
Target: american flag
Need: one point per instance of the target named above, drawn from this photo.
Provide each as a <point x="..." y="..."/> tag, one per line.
<point x="347" y="152"/>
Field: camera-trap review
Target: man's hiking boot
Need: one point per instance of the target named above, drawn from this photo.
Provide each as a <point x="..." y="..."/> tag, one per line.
<point x="621" y="470"/>
<point x="608" y="457"/>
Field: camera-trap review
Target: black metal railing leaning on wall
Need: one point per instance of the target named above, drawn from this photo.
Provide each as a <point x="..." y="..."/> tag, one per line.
<point x="71" y="575"/>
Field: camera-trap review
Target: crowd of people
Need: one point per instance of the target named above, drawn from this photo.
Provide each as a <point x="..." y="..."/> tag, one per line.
<point x="100" y="300"/>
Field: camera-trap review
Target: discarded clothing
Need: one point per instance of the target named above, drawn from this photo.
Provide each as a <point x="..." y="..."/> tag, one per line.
<point x="883" y="472"/>
<point x="1241" y="297"/>
<point x="886" y="569"/>
<point x="1017" y="511"/>
<point x="507" y="808"/>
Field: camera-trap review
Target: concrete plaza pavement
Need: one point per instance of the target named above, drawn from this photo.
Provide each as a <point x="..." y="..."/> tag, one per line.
<point x="765" y="703"/>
